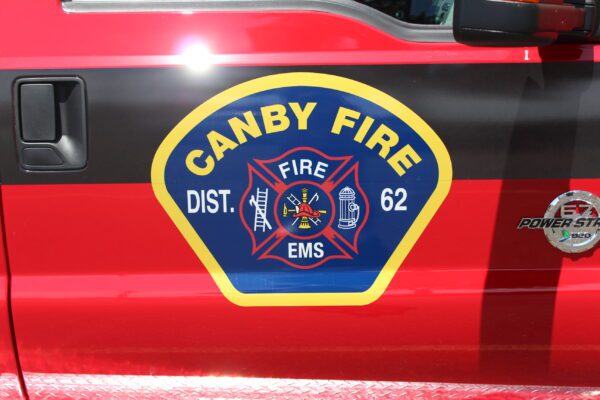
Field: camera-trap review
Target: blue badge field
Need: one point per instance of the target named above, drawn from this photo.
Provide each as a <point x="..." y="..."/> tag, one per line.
<point x="301" y="188"/>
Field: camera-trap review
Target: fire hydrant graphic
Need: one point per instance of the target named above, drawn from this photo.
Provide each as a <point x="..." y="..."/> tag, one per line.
<point x="349" y="210"/>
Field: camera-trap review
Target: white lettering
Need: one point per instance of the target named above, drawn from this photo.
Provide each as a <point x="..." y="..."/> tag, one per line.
<point x="303" y="166"/>
<point x="193" y="195"/>
<point x="210" y="201"/>
<point x="305" y="250"/>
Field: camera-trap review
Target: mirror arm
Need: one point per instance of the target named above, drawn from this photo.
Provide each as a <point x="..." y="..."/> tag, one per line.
<point x="561" y="18"/>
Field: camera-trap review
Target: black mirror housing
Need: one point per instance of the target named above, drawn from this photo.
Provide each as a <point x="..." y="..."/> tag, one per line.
<point x="523" y="23"/>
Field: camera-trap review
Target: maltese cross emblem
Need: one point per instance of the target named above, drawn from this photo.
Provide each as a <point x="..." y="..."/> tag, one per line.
<point x="304" y="208"/>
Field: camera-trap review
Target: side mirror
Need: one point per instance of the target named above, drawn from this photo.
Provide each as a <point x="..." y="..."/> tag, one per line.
<point x="524" y="22"/>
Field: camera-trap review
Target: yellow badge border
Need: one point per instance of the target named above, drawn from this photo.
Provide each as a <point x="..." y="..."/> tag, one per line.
<point x="315" y="80"/>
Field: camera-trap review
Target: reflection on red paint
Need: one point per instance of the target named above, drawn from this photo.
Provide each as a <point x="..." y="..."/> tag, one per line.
<point x="142" y="303"/>
<point x="10" y="386"/>
<point x="261" y="38"/>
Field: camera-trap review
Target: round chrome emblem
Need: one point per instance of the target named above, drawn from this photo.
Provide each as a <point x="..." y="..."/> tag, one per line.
<point x="572" y="222"/>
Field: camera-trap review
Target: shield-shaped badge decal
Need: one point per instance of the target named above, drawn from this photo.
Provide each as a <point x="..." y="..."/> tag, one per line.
<point x="301" y="188"/>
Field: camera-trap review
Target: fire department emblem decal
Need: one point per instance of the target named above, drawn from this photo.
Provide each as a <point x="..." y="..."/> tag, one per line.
<point x="304" y="208"/>
<point x="301" y="189"/>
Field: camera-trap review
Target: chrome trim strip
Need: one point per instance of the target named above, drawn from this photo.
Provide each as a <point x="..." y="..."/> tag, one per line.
<point x="146" y="387"/>
<point x="348" y="8"/>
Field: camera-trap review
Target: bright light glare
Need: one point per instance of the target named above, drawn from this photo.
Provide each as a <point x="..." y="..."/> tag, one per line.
<point x="196" y="57"/>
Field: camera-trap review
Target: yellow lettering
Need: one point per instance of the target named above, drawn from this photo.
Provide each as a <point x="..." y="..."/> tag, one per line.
<point x="241" y="128"/>
<point x="364" y="128"/>
<point x="220" y="144"/>
<point x="386" y="138"/>
<point x="402" y="157"/>
<point x="344" y="117"/>
<point x="274" y="118"/>
<point x="302" y="115"/>
<point x="194" y="168"/>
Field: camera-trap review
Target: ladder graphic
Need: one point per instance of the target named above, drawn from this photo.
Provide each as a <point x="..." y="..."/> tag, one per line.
<point x="259" y="202"/>
<point x="295" y="202"/>
<point x="293" y="199"/>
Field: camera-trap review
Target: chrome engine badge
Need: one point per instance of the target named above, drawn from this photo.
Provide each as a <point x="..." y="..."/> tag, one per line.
<point x="571" y="222"/>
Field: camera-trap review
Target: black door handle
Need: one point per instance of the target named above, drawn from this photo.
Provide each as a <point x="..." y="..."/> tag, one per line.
<point x="51" y="123"/>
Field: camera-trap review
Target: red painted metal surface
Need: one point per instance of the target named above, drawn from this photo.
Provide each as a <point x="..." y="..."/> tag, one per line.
<point x="55" y="39"/>
<point x="117" y="290"/>
<point x="10" y="386"/>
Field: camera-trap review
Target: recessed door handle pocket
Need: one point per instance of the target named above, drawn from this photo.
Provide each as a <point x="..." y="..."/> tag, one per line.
<point x="51" y="123"/>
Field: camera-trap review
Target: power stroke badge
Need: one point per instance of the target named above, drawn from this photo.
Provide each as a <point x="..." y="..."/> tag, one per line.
<point x="301" y="188"/>
<point x="571" y="222"/>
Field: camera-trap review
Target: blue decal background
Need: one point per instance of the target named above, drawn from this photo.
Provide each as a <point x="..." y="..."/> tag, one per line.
<point x="230" y="242"/>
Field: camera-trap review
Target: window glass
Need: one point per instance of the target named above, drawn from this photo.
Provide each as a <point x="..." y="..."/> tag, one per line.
<point x="426" y="12"/>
